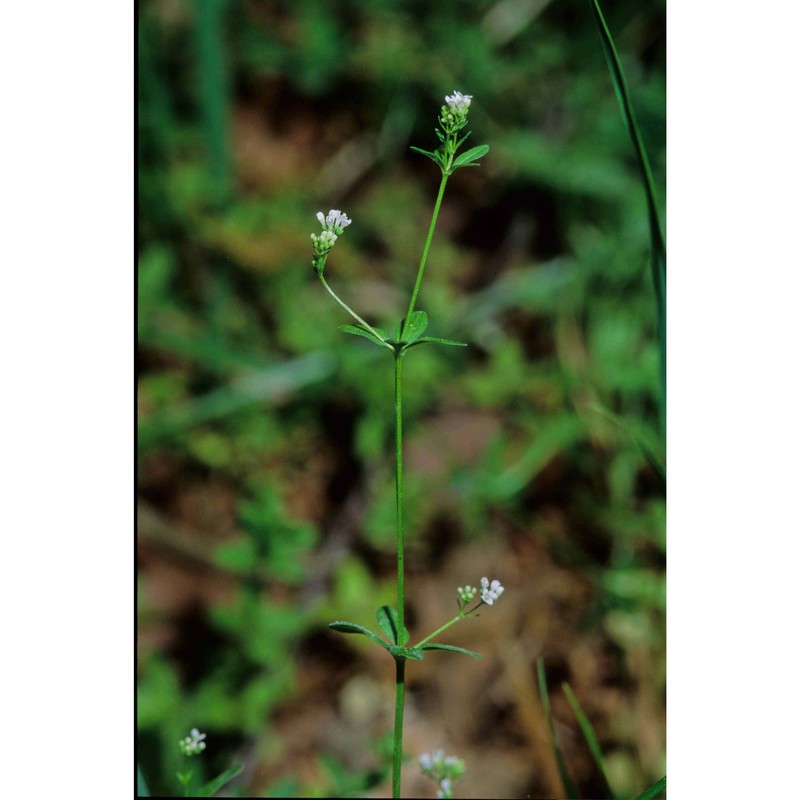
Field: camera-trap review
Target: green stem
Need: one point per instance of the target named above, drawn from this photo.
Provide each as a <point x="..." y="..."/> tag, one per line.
<point x="439" y="630"/>
<point x="400" y="686"/>
<point x="399" y="702"/>
<point x="397" y="760"/>
<point x="461" y="615"/>
<point x="353" y="313"/>
<point x="398" y="419"/>
<point x="425" y="250"/>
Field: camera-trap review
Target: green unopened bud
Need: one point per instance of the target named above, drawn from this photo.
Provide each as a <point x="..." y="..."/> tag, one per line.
<point x="466" y="594"/>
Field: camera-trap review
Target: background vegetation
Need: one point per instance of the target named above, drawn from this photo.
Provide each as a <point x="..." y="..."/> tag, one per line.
<point x="264" y="473"/>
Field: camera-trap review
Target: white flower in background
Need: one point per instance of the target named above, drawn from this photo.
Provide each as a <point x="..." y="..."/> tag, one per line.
<point x="445" y="790"/>
<point x="193" y="744"/>
<point x="458" y="102"/>
<point x="490" y="592"/>
<point x="442" y="769"/>
<point x="336" y="221"/>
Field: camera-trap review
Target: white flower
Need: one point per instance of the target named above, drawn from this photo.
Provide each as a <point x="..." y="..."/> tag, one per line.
<point x="426" y="762"/>
<point x="490" y="592"/>
<point x="193" y="744"/>
<point x="458" y="102"/>
<point x="336" y="221"/>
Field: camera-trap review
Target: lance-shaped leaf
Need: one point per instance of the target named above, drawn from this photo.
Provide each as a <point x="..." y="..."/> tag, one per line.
<point x="212" y="787"/>
<point x="352" y="627"/>
<point x="357" y="330"/>
<point x="413" y="653"/>
<point x="452" y="648"/>
<point x="432" y="156"/>
<point x="388" y="622"/>
<point x="473" y="154"/>
<point x="414" y="326"/>
<point x="437" y="340"/>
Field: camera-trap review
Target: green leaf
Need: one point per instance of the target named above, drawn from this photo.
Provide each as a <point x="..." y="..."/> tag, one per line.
<point x="437" y="340"/>
<point x="451" y="648"/>
<point x="473" y="154"/>
<point x="212" y="787"/>
<point x="658" y="252"/>
<point x="388" y="623"/>
<point x="414" y="327"/>
<point x="356" y="330"/>
<point x="654" y="791"/>
<point x="432" y="156"/>
<point x="590" y="736"/>
<point x="351" y="627"/>
<point x="569" y="787"/>
<point x="412" y="653"/>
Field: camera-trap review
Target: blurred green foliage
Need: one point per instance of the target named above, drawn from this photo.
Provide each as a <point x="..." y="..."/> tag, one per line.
<point x="253" y="116"/>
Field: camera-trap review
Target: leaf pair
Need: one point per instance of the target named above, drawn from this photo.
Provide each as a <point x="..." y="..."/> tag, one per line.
<point x="408" y="334"/>
<point x="466" y="159"/>
<point x="387" y="619"/>
<point x="389" y="623"/>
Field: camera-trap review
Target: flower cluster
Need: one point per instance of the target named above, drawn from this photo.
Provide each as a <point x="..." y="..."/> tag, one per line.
<point x="193" y="744"/>
<point x="458" y="102"/>
<point x="442" y="769"/>
<point x="490" y="592"/>
<point x="453" y="116"/>
<point x="466" y="594"/>
<point x="336" y="221"/>
<point x="332" y="227"/>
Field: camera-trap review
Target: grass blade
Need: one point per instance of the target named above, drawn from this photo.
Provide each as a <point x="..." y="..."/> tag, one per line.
<point x="654" y="791"/>
<point x="214" y="88"/>
<point x="141" y="783"/>
<point x="569" y="786"/>
<point x="589" y="735"/>
<point x="658" y="252"/>
<point x="212" y="787"/>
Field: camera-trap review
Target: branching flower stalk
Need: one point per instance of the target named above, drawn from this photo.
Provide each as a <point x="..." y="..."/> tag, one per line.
<point x="409" y="334"/>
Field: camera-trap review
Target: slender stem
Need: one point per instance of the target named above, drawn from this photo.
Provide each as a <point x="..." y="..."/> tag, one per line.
<point x="427" y="247"/>
<point x="353" y="313"/>
<point x="461" y="615"/>
<point x="398" y="415"/>
<point x="400" y="685"/>
<point x="399" y="700"/>
<point x="399" y="703"/>
<point x="439" y="630"/>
